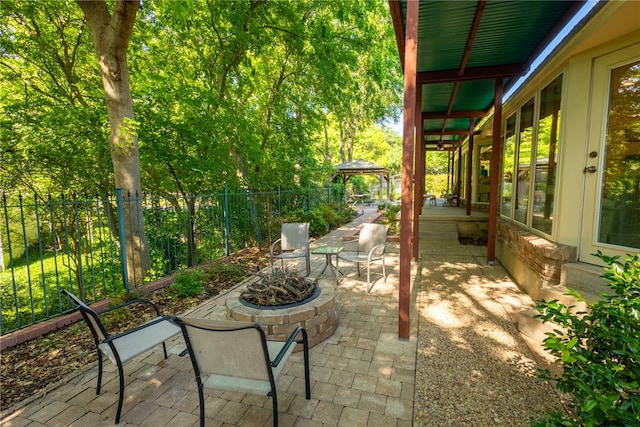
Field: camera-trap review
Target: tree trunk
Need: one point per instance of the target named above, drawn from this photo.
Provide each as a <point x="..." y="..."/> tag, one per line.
<point x="343" y="157"/>
<point x="327" y="151"/>
<point x="111" y="34"/>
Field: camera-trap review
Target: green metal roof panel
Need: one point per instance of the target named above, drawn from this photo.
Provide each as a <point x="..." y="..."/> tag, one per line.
<point x="509" y="33"/>
<point x="433" y="125"/>
<point x="437" y="96"/>
<point x="458" y="124"/>
<point x="474" y="95"/>
<point x="451" y="21"/>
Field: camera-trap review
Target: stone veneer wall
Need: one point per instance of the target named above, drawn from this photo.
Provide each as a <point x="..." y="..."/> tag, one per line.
<point x="533" y="261"/>
<point x="319" y="317"/>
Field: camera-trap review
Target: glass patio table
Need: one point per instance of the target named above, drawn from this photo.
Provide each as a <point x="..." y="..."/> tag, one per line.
<point x="328" y="252"/>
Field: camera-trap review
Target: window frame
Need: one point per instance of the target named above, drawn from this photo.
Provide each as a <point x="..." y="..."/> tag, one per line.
<point x="517" y="113"/>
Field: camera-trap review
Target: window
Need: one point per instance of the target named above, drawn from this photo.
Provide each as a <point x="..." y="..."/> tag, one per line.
<point x="523" y="178"/>
<point x="619" y="222"/>
<point x="530" y="159"/>
<point x="462" y="188"/>
<point x="484" y="182"/>
<point x="509" y="161"/>
<point x="546" y="156"/>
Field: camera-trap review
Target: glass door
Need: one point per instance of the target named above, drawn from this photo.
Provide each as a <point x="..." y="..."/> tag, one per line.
<point x="612" y="170"/>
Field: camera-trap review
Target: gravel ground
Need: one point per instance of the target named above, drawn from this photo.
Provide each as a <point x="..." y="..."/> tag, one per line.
<point x="473" y="367"/>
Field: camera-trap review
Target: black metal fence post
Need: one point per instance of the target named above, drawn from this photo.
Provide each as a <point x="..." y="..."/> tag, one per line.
<point x="226" y="222"/>
<point x="11" y="262"/>
<point x="123" y="251"/>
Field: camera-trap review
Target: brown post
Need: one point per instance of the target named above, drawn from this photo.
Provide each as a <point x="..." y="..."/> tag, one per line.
<point x="496" y="153"/>
<point x="458" y="185"/>
<point x="449" y="171"/>
<point x="418" y="192"/>
<point x="469" y="167"/>
<point x="410" y="68"/>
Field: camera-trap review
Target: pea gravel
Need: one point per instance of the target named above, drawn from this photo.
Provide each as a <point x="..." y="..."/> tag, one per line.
<point x="473" y="368"/>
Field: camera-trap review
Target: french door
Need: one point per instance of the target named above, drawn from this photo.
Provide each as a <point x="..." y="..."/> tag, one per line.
<point x="611" y="212"/>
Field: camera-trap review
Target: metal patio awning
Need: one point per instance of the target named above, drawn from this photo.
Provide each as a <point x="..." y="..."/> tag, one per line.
<point x="458" y="58"/>
<point x="463" y="47"/>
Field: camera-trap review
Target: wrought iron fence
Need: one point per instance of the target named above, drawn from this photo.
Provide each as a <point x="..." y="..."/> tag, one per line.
<point x="82" y="243"/>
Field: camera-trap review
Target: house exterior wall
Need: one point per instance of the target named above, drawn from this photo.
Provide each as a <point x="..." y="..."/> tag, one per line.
<point x="535" y="259"/>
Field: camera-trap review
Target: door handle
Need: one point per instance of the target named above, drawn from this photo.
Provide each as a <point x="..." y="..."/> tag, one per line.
<point x="590" y="169"/>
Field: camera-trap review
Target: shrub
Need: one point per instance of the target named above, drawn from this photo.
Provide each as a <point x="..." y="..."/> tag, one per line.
<point x="345" y="212"/>
<point x="599" y="351"/>
<point x="227" y="272"/>
<point x="330" y="215"/>
<point x="317" y="225"/>
<point x="323" y="218"/>
<point x="188" y="283"/>
<point x="390" y="211"/>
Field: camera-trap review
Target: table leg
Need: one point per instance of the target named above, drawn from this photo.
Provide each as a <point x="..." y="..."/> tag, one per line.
<point x="327" y="261"/>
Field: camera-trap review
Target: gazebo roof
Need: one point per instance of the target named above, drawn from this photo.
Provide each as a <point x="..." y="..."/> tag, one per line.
<point x="359" y="166"/>
<point x="362" y="167"/>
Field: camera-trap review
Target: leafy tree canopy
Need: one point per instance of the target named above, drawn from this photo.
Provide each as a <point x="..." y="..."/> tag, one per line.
<point x="243" y="94"/>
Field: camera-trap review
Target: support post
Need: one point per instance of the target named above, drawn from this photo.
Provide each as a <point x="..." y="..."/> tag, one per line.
<point x="496" y="153"/>
<point x="458" y="185"/>
<point x="227" y="231"/>
<point x="469" y="168"/>
<point x="418" y="200"/>
<point x="123" y="239"/>
<point x="410" y="68"/>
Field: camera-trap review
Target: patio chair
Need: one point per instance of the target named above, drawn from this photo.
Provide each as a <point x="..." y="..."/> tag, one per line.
<point x="450" y="199"/>
<point x="372" y="243"/>
<point x="293" y="243"/>
<point x="124" y="346"/>
<point x="236" y="356"/>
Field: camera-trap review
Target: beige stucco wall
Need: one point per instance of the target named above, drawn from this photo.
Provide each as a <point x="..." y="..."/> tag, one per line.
<point x="615" y="27"/>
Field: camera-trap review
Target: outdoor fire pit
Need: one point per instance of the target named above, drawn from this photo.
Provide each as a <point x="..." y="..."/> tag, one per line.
<point x="279" y="288"/>
<point x="280" y="301"/>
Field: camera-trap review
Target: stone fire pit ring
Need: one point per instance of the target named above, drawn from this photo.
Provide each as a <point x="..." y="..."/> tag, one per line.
<point x="318" y="316"/>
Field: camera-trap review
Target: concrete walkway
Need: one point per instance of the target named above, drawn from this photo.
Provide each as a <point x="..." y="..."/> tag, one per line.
<point x="464" y="364"/>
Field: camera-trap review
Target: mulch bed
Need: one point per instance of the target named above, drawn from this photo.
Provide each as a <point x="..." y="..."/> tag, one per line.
<point x="31" y="367"/>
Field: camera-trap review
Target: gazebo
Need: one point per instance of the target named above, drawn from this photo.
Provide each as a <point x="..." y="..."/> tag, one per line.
<point x="363" y="167"/>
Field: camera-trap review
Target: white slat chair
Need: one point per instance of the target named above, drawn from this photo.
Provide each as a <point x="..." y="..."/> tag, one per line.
<point x="372" y="243"/>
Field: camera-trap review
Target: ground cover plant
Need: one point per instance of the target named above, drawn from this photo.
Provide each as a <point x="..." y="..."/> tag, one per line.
<point x="599" y="351"/>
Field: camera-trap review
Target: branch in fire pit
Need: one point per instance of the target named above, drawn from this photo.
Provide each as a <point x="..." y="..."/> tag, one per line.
<point x="279" y="287"/>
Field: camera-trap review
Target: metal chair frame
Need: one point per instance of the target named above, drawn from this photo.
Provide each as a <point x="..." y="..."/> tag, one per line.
<point x="214" y="370"/>
<point x="294" y="243"/>
<point x="122" y="347"/>
<point x="372" y="243"/>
